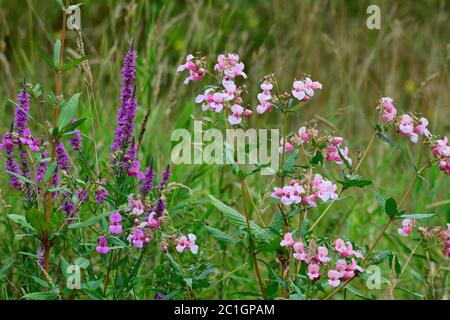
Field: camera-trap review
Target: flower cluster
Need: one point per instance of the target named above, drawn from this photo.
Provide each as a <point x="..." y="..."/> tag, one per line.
<point x="442" y="153"/>
<point x="303" y="90"/>
<point x="306" y="193"/>
<point x="407" y="227"/>
<point x="445" y="235"/>
<point x="317" y="257"/>
<point x="195" y="68"/>
<point x="334" y="151"/>
<point x="264" y="97"/>
<point x="184" y="243"/>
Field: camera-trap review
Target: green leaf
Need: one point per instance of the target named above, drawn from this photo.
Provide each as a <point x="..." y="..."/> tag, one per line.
<point x="417" y="216"/>
<point x="380" y="257"/>
<point x="397" y="267"/>
<point x="388" y="140"/>
<point x="46" y="57"/>
<point x="355" y="183"/>
<point x="40" y="296"/>
<point x="49" y="172"/>
<point x="20" y="177"/>
<point x="89" y="222"/>
<point x="4" y="270"/>
<point x="56" y="52"/>
<point x="291" y="160"/>
<point x="68" y="110"/>
<point x="69" y="128"/>
<point x="20" y="220"/>
<point x="380" y="199"/>
<point x="391" y="208"/>
<point x="72" y="64"/>
<point x="40" y="282"/>
<point x="235" y="218"/>
<point x="37" y="220"/>
<point x="220" y="235"/>
<point x="175" y="264"/>
<point x="318" y="157"/>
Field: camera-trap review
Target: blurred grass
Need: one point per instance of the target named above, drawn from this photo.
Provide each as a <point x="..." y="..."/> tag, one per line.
<point x="408" y="59"/>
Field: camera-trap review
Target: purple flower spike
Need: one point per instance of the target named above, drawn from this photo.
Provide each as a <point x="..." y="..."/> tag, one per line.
<point x="147" y="182"/>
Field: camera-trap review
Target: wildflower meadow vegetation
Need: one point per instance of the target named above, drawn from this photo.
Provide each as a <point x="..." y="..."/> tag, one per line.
<point x="93" y="204"/>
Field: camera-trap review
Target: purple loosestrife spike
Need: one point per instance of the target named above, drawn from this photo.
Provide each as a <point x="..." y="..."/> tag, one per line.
<point x="41" y="167"/>
<point x="165" y="178"/>
<point x="11" y="162"/>
<point x="22" y="111"/>
<point x="75" y="140"/>
<point x="127" y="111"/>
<point x="63" y="160"/>
<point x="147" y="182"/>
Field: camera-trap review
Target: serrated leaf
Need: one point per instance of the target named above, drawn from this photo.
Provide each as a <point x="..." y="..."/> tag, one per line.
<point x="220" y="235"/>
<point x="235" y="218"/>
<point x="291" y="160"/>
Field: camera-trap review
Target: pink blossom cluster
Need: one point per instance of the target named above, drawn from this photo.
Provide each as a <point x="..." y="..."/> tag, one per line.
<point x="303" y="90"/>
<point x="412" y="129"/>
<point x="334" y="151"/>
<point x="185" y="243"/>
<point x="264" y="97"/>
<point x="442" y="152"/>
<point x="445" y="235"/>
<point x="407" y="227"/>
<point x="387" y="108"/>
<point x="115" y="226"/>
<point x="304" y="193"/>
<point x="194" y="66"/>
<point x="319" y="258"/>
<point x="228" y="95"/>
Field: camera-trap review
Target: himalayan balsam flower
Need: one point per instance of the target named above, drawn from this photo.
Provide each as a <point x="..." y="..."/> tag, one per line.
<point x="102" y="245"/>
<point x="313" y="271"/>
<point x="406" y="128"/>
<point x="287" y="241"/>
<point x="196" y="72"/>
<point x="407" y="227"/>
<point x="212" y="100"/>
<point x="264" y="97"/>
<point x="135" y="206"/>
<point x="138" y="238"/>
<point x="237" y="113"/>
<point x="346" y="249"/>
<point x="304" y="90"/>
<point x="288" y="147"/>
<point x="184" y="243"/>
<point x="388" y="110"/>
<point x="334" y="151"/>
<point x="322" y="254"/>
<point x="115" y="226"/>
<point x="230" y="66"/>
<point x="442" y="152"/>
<point x="300" y="252"/>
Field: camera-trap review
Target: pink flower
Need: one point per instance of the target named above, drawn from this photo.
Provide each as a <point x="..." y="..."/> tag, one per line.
<point x="196" y="72"/>
<point x="441" y="148"/>
<point x="313" y="271"/>
<point x="102" y="245"/>
<point x="406" y="128"/>
<point x="188" y="242"/>
<point x="407" y="227"/>
<point x="135" y="206"/>
<point x="115" y="226"/>
<point x="322" y="254"/>
<point x="346" y="249"/>
<point x="237" y="112"/>
<point x="303" y="135"/>
<point x="333" y="152"/>
<point x="212" y="100"/>
<point x="135" y="170"/>
<point x="300" y="253"/>
<point x="333" y="278"/>
<point x="288" y="147"/>
<point x="263" y="97"/>
<point x="324" y="189"/>
<point x="230" y="89"/>
<point x="421" y="128"/>
<point x="230" y="66"/>
<point x="304" y="90"/>
<point x="287" y="241"/>
<point x="138" y="238"/>
<point x="389" y="111"/>
<point x="353" y="266"/>
<point x="289" y="194"/>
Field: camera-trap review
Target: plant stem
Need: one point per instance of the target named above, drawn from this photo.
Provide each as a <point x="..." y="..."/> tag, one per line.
<point x="326" y="210"/>
<point x="252" y="244"/>
<point x="58" y="92"/>
<point x="258" y="214"/>
<point x="372" y="140"/>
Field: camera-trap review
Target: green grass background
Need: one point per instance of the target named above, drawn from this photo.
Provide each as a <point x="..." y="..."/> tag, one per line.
<point x="408" y="59"/>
